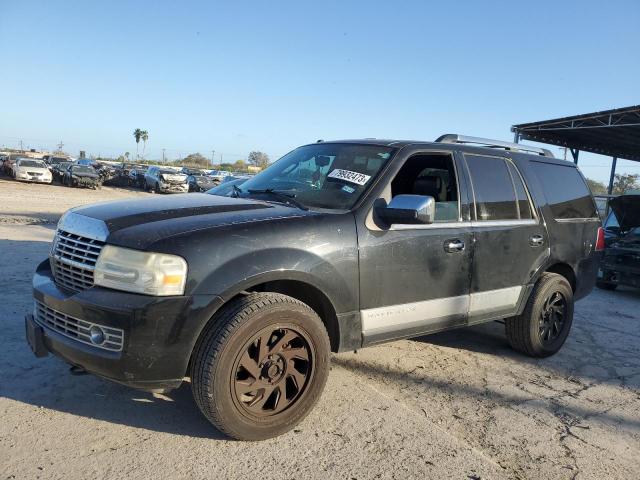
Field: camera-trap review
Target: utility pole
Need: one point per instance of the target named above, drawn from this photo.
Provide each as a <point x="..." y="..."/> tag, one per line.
<point x="21" y="149"/>
<point x="163" y="158"/>
<point x="60" y="145"/>
<point x="213" y="152"/>
<point x="220" y="159"/>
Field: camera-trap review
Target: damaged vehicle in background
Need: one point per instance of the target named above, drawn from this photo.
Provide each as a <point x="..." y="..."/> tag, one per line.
<point x="621" y="262"/>
<point x="59" y="169"/>
<point x="165" y="180"/>
<point x="199" y="181"/>
<point x="81" y="176"/>
<point x="30" y="170"/>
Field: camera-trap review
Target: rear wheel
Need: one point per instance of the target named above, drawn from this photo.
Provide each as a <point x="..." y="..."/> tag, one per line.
<point x="260" y="366"/>
<point x="156" y="188"/>
<point x="544" y="325"/>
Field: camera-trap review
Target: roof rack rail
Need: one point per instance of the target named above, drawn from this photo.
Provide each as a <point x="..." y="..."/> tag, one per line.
<point x="455" y="138"/>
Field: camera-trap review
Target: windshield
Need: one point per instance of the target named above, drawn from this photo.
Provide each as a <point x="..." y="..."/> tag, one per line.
<point x="323" y="175"/>
<point x="31" y="163"/>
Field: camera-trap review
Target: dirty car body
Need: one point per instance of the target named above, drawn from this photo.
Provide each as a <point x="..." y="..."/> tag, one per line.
<point x="335" y="247"/>
<point x="621" y="262"/>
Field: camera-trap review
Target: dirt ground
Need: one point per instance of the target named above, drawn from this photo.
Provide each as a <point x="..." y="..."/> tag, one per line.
<point x="457" y="405"/>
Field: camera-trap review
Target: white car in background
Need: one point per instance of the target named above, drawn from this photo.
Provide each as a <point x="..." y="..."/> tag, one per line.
<point x="31" y="170"/>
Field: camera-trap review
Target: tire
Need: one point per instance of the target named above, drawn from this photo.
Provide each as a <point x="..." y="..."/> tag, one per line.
<point x="606" y="285"/>
<point x="156" y="188"/>
<point x="224" y="389"/>
<point x="541" y="329"/>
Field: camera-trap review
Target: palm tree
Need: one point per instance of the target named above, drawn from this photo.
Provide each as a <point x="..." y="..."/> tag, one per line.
<point x="137" y="134"/>
<point x="145" y="137"/>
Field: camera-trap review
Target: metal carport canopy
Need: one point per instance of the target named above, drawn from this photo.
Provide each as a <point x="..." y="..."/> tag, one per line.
<point x="615" y="133"/>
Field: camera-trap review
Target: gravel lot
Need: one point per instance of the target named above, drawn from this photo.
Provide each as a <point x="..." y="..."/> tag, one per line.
<point x="453" y="405"/>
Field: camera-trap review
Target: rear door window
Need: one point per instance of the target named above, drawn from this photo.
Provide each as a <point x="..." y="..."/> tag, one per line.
<point x="565" y="190"/>
<point x="493" y="188"/>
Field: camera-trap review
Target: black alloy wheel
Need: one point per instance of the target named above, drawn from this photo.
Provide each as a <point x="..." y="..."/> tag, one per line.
<point x="552" y="317"/>
<point x="545" y="322"/>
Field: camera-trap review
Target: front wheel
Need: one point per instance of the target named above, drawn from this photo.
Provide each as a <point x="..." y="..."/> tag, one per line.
<point x="260" y="366"/>
<point x="544" y="325"/>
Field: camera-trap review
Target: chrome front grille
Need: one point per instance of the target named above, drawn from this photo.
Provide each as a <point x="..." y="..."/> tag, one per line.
<point x="77" y="329"/>
<point x="73" y="259"/>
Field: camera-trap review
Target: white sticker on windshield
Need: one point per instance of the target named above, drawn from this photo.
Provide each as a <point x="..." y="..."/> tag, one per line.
<point x="349" y="176"/>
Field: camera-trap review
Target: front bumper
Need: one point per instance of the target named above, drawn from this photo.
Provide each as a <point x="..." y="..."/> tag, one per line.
<point x="35" y="179"/>
<point x="159" y="332"/>
<point x="173" y="188"/>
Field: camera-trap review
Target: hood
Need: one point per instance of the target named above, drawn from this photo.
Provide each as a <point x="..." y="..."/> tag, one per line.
<point x="140" y="223"/>
<point x="205" y="180"/>
<point x="34" y="169"/>
<point x="174" y="177"/>
<point x="627" y="210"/>
<point x="85" y="175"/>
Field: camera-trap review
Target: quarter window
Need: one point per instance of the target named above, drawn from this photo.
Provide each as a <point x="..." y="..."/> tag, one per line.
<point x="566" y="191"/>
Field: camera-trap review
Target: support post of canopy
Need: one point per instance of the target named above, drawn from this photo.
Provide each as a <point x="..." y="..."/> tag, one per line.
<point x="575" y="153"/>
<point x="614" y="160"/>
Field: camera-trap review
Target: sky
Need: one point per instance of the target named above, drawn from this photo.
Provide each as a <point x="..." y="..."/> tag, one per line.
<point x="233" y="77"/>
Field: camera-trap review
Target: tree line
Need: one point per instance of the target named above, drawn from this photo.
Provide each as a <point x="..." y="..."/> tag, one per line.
<point x="622" y="183"/>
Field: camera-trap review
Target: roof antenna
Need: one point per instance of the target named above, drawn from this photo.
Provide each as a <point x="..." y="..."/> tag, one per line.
<point x="319" y="140"/>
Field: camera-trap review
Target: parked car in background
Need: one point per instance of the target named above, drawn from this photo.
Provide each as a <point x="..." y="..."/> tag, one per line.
<point x="165" y="180"/>
<point x="335" y="247"/>
<point x="106" y="171"/>
<point x="58" y="170"/>
<point x="7" y="165"/>
<point x="200" y="181"/>
<point x="81" y="176"/>
<point x="621" y="262"/>
<point x="137" y="175"/>
<point x="219" y="174"/>
<point x="31" y="170"/>
<point x="53" y="160"/>
<point x="227" y="189"/>
<point x="233" y="178"/>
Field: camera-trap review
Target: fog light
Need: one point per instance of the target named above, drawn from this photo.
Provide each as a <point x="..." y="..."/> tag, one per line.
<point x="97" y="335"/>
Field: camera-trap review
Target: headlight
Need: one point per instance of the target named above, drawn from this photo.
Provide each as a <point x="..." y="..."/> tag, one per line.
<point x="140" y="272"/>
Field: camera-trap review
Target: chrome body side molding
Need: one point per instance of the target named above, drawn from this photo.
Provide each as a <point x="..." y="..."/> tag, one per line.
<point x="412" y="316"/>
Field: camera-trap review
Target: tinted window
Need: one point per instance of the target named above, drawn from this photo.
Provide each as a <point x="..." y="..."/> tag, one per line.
<point x="565" y="190"/>
<point x="524" y="206"/>
<point x="495" y="198"/>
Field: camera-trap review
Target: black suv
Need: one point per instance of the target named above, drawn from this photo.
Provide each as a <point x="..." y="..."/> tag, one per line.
<point x="337" y="246"/>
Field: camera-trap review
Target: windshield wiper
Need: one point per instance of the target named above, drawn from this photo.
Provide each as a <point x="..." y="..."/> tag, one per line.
<point x="288" y="198"/>
<point x="235" y="193"/>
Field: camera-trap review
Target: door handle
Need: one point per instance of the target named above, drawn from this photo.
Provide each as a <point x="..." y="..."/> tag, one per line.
<point x="453" y="245"/>
<point x="536" y="240"/>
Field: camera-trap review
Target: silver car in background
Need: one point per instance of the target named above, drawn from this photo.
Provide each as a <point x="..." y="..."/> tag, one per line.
<point x="165" y="180"/>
